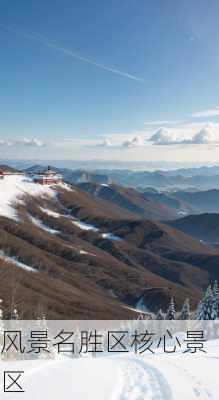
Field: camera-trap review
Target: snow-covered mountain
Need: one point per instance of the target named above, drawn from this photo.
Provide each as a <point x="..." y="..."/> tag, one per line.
<point x="14" y="188"/>
<point x="73" y="254"/>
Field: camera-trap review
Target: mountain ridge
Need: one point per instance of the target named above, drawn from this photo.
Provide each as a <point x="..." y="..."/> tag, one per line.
<point x="62" y="241"/>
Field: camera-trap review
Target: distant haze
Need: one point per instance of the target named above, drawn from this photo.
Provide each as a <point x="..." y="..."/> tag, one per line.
<point x="105" y="164"/>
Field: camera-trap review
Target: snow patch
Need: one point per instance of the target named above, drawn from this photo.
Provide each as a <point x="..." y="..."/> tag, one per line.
<point x="137" y="310"/>
<point x="66" y="187"/>
<point x="14" y="187"/>
<point x="50" y="212"/>
<point x="110" y="236"/>
<point x="84" y="226"/>
<point x="14" y="261"/>
<point x="181" y="212"/>
<point x="86" y="252"/>
<point x="41" y="225"/>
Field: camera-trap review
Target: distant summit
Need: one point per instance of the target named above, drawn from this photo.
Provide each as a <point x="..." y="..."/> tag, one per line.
<point x="5" y="169"/>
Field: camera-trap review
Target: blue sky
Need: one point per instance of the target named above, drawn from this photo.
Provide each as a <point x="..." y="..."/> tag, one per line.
<point x="99" y="79"/>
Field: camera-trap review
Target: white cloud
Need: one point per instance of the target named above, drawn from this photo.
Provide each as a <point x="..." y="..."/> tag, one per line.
<point x="22" y="142"/>
<point x="5" y="143"/>
<point x="30" y="142"/>
<point x="116" y="141"/>
<point x="206" y="135"/>
<point x="105" y="143"/>
<point x="211" y="112"/>
<point x="163" y="136"/>
<point x="164" y="122"/>
<point x="135" y="142"/>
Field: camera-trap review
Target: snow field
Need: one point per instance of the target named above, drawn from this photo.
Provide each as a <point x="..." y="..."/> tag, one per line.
<point x="14" y="187"/>
<point x="14" y="261"/>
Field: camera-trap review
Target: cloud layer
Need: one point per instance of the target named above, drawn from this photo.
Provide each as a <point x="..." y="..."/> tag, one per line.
<point x="211" y="112"/>
<point x="163" y="136"/>
<point x="206" y="135"/>
<point x="23" y="142"/>
<point x="162" y="122"/>
<point x="135" y="142"/>
<point x="105" y="143"/>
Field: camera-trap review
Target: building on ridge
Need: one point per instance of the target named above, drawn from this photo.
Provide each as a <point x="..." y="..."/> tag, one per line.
<point x="48" y="177"/>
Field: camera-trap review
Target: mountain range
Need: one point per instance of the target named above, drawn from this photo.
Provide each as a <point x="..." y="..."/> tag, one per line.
<point x="94" y="250"/>
<point x="204" y="227"/>
<point x="193" y="179"/>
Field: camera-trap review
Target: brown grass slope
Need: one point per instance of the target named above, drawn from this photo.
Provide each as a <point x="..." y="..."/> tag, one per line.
<point x="130" y="200"/>
<point x="82" y="275"/>
<point x="203" y="227"/>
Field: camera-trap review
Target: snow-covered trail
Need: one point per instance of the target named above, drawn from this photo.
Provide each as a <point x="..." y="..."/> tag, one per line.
<point x="163" y="378"/>
<point x="122" y="377"/>
<point x="140" y="381"/>
<point x="113" y="378"/>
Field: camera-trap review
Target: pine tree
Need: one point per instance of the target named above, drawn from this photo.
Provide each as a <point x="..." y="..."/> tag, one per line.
<point x="2" y="328"/>
<point x="205" y="305"/>
<point x="215" y="309"/>
<point x="1" y="310"/>
<point x="208" y="308"/>
<point x="14" y="314"/>
<point x="171" y="313"/>
<point x="160" y="315"/>
<point x="199" y="310"/>
<point x="44" y="327"/>
<point x="215" y="288"/>
<point x="141" y="317"/>
<point x="77" y="343"/>
<point x="215" y="291"/>
<point x="185" y="311"/>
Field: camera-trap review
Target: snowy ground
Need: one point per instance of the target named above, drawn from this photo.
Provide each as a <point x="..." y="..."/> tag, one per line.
<point x="14" y="261"/>
<point x="110" y="236"/>
<point x="149" y="377"/>
<point x="41" y="225"/>
<point x="14" y="187"/>
<point x="84" y="226"/>
<point x="51" y="213"/>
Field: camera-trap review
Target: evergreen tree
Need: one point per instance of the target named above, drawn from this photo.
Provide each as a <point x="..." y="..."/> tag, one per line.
<point x="44" y="327"/>
<point x="216" y="300"/>
<point x="160" y="315"/>
<point x="14" y="314"/>
<point x="215" y="289"/>
<point x="199" y="310"/>
<point x="185" y="311"/>
<point x="141" y="317"/>
<point x="215" y="309"/>
<point x="208" y="308"/>
<point x="171" y="313"/>
<point x="2" y="328"/>
<point x="205" y="305"/>
<point x="77" y="343"/>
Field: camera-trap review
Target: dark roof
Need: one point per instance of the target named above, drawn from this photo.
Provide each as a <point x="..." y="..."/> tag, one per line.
<point x="49" y="171"/>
